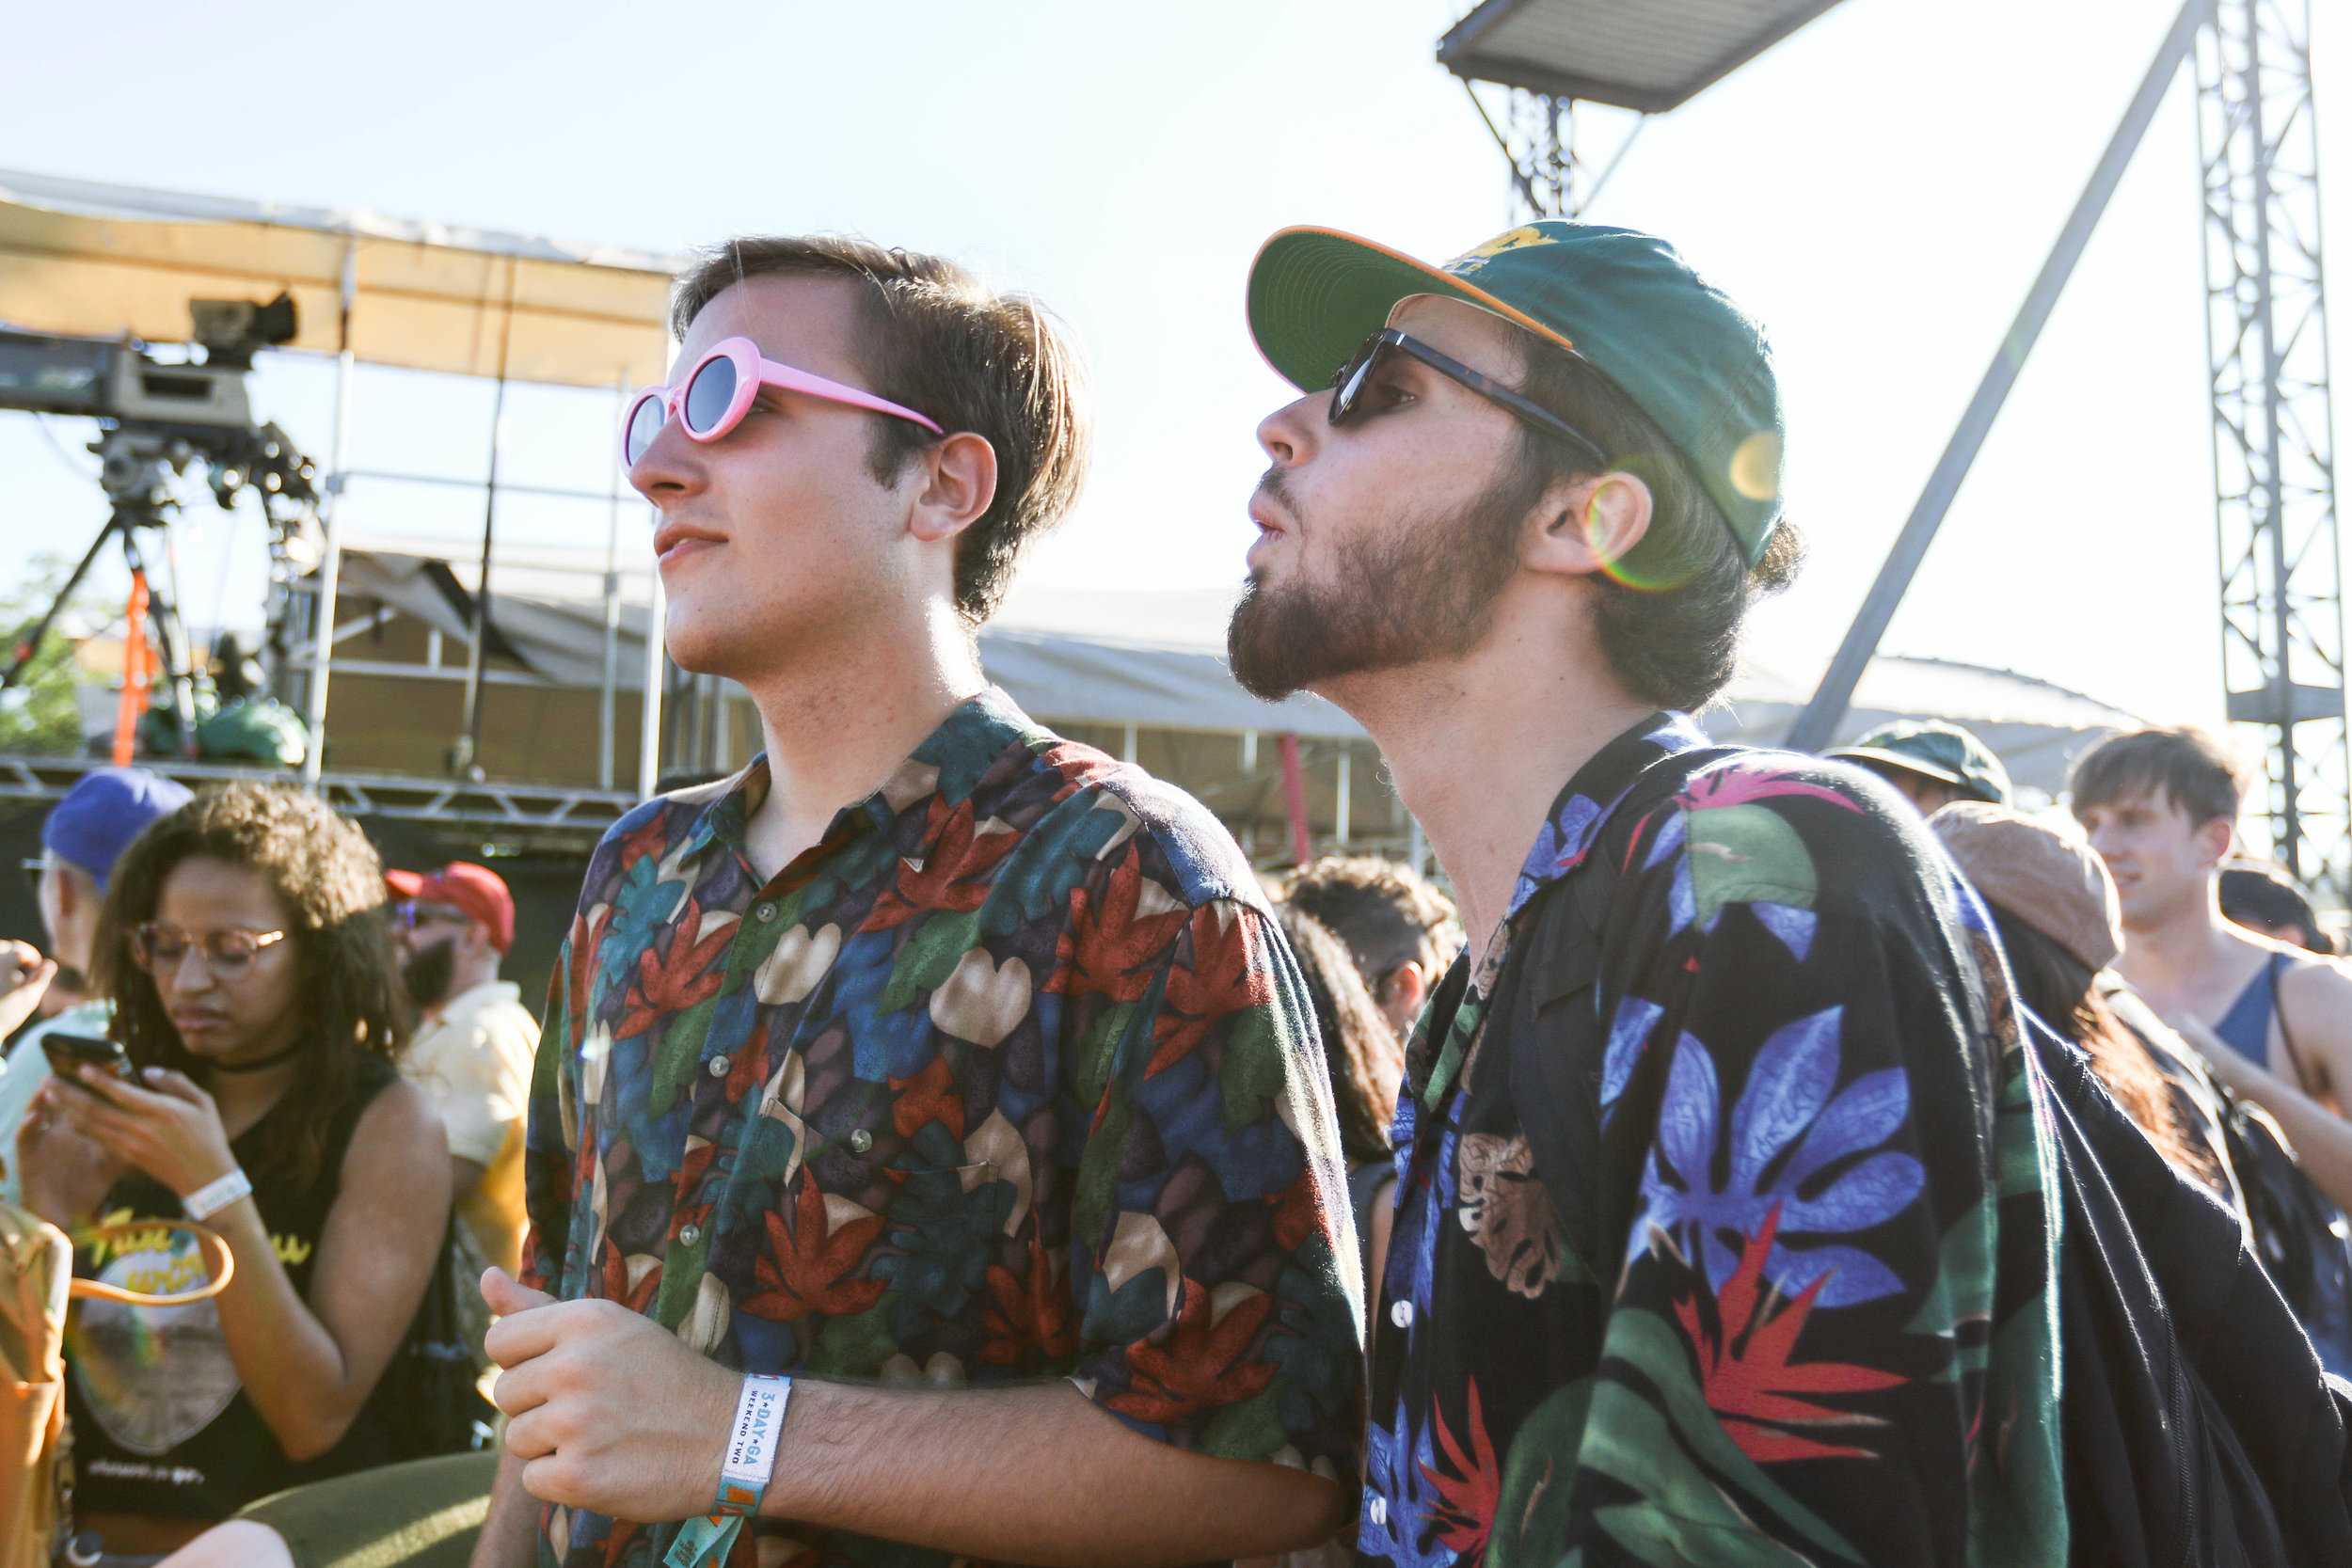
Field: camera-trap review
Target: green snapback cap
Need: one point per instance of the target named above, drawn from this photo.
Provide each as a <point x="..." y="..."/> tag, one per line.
<point x="1935" y="750"/>
<point x="1623" y="301"/>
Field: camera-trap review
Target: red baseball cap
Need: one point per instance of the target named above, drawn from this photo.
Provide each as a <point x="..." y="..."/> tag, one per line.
<point x="462" y="885"/>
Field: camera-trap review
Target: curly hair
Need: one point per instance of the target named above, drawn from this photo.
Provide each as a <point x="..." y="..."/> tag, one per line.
<point x="325" y="872"/>
<point x="1365" y="1058"/>
<point x="1385" y="910"/>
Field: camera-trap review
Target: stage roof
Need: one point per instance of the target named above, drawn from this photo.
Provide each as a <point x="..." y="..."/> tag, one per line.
<point x="1645" y="54"/>
<point x="80" y="256"/>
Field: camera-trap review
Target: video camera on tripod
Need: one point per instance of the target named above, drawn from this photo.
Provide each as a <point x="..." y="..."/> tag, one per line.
<point x="156" y="419"/>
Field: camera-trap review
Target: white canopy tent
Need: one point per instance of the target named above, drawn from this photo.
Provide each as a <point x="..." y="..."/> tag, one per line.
<point x="82" y="258"/>
<point x="1156" y="659"/>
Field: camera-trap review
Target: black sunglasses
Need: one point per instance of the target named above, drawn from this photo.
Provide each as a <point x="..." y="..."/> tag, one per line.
<point x="1348" y="386"/>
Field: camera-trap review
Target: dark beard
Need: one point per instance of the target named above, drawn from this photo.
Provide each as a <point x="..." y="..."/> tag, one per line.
<point x="1419" y="589"/>
<point x="428" y="973"/>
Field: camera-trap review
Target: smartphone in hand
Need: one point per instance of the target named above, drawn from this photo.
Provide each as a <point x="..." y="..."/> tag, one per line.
<point x="68" y="1051"/>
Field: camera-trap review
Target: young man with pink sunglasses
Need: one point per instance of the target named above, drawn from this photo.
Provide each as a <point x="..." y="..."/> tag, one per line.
<point x="929" y="1144"/>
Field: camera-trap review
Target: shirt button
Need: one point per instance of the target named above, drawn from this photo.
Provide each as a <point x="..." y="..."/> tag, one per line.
<point x="860" y="1141"/>
<point x="690" y="1235"/>
<point x="1379" y="1512"/>
<point x="1401" y="1313"/>
<point x="766" y="913"/>
<point x="720" y="1067"/>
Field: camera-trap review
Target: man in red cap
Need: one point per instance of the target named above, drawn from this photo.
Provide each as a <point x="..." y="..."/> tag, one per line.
<point x="474" y="1046"/>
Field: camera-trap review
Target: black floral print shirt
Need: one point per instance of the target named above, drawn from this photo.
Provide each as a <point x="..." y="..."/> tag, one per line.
<point x="1802" y="1314"/>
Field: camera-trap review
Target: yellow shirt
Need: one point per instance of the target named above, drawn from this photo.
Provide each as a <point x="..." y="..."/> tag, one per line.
<point x="472" y="1055"/>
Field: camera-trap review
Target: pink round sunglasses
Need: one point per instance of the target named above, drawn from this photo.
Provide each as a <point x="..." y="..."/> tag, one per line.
<point x="717" y="392"/>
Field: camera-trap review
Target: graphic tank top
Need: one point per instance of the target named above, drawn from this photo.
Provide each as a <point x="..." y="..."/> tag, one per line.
<point x="160" y="1423"/>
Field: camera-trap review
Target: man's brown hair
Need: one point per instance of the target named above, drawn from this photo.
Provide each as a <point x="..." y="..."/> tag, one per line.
<point x="2184" y="764"/>
<point x="1669" y="614"/>
<point x="937" y="339"/>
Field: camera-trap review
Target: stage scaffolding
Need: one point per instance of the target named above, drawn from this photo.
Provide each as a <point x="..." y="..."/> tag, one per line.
<point x="2273" y="427"/>
<point x="1527" y="63"/>
<point x="82" y="258"/>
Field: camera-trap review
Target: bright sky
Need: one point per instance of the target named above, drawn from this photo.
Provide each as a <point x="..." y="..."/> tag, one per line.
<point x="1879" y="190"/>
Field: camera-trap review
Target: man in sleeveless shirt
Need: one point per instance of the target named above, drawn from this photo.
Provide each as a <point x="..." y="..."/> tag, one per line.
<point x="2160" y="806"/>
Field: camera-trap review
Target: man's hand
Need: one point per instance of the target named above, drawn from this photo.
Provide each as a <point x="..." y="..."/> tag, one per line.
<point x="65" y="1175"/>
<point x="24" y="977"/>
<point x="610" y="1411"/>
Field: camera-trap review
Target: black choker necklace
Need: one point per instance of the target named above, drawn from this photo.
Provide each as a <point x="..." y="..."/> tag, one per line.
<point x="273" y="1059"/>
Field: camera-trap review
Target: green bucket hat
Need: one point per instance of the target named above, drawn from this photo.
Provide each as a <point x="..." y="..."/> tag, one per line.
<point x="1935" y="749"/>
<point x="1621" y="300"/>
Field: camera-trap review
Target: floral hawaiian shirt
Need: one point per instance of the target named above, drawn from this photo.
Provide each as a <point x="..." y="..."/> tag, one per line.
<point x="1012" y="1076"/>
<point x="1803" y="1311"/>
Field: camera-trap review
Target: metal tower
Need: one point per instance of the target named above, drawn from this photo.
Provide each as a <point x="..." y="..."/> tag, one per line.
<point x="1538" y="133"/>
<point x="1538" y="59"/>
<point x="2273" y="431"/>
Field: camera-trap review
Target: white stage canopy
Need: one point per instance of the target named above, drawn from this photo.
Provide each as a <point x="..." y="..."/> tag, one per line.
<point x="1157" y="659"/>
<point x="101" y="260"/>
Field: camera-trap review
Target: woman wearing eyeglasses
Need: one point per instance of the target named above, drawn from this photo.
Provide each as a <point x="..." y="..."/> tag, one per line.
<point x="256" y="995"/>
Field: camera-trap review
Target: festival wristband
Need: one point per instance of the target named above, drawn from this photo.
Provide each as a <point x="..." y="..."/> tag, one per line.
<point x="743" y="1474"/>
<point x="212" y="1197"/>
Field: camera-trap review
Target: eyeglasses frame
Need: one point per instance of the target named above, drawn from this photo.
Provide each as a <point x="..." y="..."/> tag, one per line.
<point x="263" y="942"/>
<point x="1348" y="382"/>
<point x="754" y="371"/>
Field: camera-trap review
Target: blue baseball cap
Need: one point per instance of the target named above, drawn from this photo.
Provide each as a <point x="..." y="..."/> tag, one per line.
<point x="100" y="817"/>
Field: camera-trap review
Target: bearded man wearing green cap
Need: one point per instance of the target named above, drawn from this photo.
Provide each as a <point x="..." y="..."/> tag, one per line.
<point x="1702" y="1250"/>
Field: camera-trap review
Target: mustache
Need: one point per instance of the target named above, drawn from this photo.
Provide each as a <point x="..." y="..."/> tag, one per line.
<point x="1274" y="485"/>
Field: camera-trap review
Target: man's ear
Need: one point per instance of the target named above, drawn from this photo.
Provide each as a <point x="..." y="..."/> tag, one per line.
<point x="958" y="483"/>
<point x="2213" y="839"/>
<point x="1588" y="525"/>
<point x="1405" y="984"/>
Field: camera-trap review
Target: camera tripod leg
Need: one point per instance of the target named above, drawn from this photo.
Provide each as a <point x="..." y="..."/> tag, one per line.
<point x="29" y="644"/>
<point x="168" y="636"/>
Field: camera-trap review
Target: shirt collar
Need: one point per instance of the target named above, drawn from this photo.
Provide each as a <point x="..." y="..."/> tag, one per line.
<point x="1579" y="808"/>
<point x="951" y="761"/>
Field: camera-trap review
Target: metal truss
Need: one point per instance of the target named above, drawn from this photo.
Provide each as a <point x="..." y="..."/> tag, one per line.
<point x="1538" y="133"/>
<point x="525" y="816"/>
<point x="2274" y="451"/>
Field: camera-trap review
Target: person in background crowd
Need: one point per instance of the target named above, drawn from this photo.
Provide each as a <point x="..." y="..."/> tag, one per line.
<point x="1402" y="932"/>
<point x="2266" y="901"/>
<point x="2275" y="1022"/>
<point x="2061" y="928"/>
<point x="27" y="979"/>
<point x="1366" y="1061"/>
<point x="81" y="838"/>
<point x="471" y="1054"/>
<point x="1365" y="1057"/>
<point x="1931" y="763"/>
<point x="1513" y="525"/>
<point x="243" y="953"/>
<point x="929" y="1050"/>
